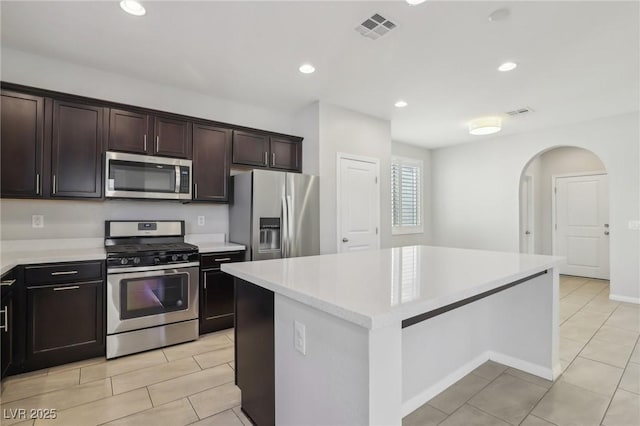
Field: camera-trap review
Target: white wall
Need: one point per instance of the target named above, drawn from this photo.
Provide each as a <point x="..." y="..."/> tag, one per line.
<point x="417" y="153"/>
<point x="307" y="125"/>
<point x="475" y="194"/>
<point x="85" y="219"/>
<point x="350" y="132"/>
<point x="555" y="162"/>
<point x="48" y="73"/>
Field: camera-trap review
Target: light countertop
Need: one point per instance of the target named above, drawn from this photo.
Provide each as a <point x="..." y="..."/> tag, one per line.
<point x="381" y="287"/>
<point x="29" y="252"/>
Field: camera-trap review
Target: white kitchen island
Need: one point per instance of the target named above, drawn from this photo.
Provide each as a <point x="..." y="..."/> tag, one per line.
<point x="386" y="330"/>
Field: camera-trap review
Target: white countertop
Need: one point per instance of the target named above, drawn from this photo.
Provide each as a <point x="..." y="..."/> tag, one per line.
<point x="382" y="287"/>
<point x="29" y="252"/>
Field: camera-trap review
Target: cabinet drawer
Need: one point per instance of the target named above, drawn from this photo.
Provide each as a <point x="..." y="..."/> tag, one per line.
<point x="63" y="272"/>
<point x="214" y="260"/>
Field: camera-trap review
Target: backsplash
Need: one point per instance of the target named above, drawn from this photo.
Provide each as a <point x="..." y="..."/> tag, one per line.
<point x="85" y="219"/>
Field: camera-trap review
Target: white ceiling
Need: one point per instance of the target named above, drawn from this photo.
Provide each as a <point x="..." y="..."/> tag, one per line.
<point x="578" y="60"/>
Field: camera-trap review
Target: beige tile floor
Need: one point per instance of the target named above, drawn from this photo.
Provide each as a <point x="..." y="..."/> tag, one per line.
<point x="600" y="384"/>
<point x="193" y="383"/>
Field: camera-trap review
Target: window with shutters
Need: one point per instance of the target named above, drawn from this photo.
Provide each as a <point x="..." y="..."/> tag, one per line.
<point x="406" y="196"/>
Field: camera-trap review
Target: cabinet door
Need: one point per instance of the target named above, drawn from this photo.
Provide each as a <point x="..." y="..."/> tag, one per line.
<point x="172" y="138"/>
<point x="6" y="332"/>
<point x="216" y="308"/>
<point x="286" y="154"/>
<point x="76" y="163"/>
<point x="22" y="125"/>
<point x="211" y="163"/>
<point x="64" y="323"/>
<point x="250" y="149"/>
<point x="129" y="131"/>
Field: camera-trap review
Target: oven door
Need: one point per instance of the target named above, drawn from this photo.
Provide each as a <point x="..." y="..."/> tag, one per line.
<point x="144" y="299"/>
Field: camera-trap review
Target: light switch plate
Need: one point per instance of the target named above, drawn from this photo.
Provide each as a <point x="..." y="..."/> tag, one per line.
<point x="634" y="225"/>
<point x="299" y="337"/>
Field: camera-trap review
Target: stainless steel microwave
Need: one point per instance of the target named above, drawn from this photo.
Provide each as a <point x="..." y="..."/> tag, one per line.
<point x="144" y="176"/>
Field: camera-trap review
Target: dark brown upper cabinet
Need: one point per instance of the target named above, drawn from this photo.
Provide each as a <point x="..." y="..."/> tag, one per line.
<point x="250" y="149"/>
<point x="140" y="133"/>
<point x="286" y="154"/>
<point x="129" y="131"/>
<point x="211" y="163"/>
<point x="172" y="138"/>
<point x="22" y="148"/>
<point x="76" y="150"/>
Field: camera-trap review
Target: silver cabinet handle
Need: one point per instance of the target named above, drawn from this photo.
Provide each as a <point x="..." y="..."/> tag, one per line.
<point x="72" y="287"/>
<point x="55" y="186"/>
<point x="224" y="259"/>
<point x="195" y="190"/>
<point x="38" y="183"/>
<point x="273" y="159"/>
<point x="7" y="283"/>
<point x="144" y="139"/>
<point x="5" y="311"/>
<point x="345" y="240"/>
<point x="64" y="273"/>
<point x="205" y="281"/>
<point x="157" y="143"/>
<point x="266" y="158"/>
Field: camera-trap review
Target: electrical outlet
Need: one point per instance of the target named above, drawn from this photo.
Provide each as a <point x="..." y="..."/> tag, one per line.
<point x="37" y="221"/>
<point x="200" y="220"/>
<point x="299" y="337"/>
<point x="634" y="225"/>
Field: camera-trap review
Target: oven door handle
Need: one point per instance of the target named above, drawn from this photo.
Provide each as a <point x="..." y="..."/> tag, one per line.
<point x="156" y="268"/>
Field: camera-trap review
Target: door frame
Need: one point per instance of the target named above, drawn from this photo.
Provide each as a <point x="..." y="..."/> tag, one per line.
<point x="344" y="156"/>
<point x="554" y="211"/>
<point x="529" y="204"/>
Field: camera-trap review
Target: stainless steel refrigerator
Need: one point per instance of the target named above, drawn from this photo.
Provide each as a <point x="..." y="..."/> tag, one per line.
<point x="275" y="214"/>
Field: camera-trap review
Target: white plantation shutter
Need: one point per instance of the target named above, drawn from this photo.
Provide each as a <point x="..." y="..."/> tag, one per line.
<point x="406" y="186"/>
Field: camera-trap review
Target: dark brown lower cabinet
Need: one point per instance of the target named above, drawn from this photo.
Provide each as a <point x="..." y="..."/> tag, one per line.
<point x="255" y="357"/>
<point x="65" y="323"/>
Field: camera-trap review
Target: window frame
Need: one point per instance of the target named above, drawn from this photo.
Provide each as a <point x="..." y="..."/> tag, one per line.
<point x="409" y="229"/>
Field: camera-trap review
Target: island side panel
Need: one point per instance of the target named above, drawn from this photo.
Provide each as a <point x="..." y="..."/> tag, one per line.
<point x="350" y="375"/>
<point x="254" y="351"/>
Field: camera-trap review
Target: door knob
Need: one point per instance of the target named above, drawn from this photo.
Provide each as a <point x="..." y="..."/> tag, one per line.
<point x="606" y="232"/>
<point x="345" y="240"/>
<point x="527" y="233"/>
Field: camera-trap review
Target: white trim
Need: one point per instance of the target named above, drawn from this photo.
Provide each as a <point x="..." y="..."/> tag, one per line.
<point x="537" y="370"/>
<point x="406" y="230"/>
<point x="627" y="299"/>
<point x="364" y="159"/>
<point x="554" y="213"/>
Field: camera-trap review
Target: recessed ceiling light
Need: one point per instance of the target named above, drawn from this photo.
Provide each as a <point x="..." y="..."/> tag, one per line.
<point x="306" y="68"/>
<point x="132" y="7"/>
<point x="401" y="104"/>
<point x="415" y="2"/>
<point x="485" y="126"/>
<point x="508" y="66"/>
<point x="500" y="15"/>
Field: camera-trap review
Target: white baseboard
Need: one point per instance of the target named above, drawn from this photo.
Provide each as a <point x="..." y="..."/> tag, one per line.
<point x="419" y="400"/>
<point x="627" y="299"/>
<point x="537" y="370"/>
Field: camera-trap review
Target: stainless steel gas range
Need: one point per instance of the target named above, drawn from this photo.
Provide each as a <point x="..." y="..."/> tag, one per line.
<point x="152" y="286"/>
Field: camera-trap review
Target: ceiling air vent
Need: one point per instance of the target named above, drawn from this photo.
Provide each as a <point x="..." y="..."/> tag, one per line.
<point x="519" y="111"/>
<point x="375" y="27"/>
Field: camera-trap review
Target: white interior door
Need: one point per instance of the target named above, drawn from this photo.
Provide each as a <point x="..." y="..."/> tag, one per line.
<point x="582" y="225"/>
<point x="527" y="219"/>
<point x="358" y="204"/>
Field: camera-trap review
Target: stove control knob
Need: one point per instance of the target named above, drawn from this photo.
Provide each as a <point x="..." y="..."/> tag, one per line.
<point x="156" y="260"/>
<point x="136" y="260"/>
<point x="124" y="261"/>
<point x="174" y="257"/>
<point x="185" y="257"/>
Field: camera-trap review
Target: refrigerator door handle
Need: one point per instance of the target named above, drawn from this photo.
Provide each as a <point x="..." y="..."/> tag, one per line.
<point x="283" y="229"/>
<point x="290" y="224"/>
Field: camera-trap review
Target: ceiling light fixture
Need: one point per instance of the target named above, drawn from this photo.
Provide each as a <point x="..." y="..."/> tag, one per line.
<point x="401" y="104"/>
<point x="485" y="126"/>
<point x="132" y="7"/>
<point x="499" y="15"/>
<point x="507" y="66"/>
<point x="415" y="2"/>
<point x="306" y="68"/>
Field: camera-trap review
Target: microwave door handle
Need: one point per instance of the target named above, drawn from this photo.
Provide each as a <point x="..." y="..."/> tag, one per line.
<point x="177" y="179"/>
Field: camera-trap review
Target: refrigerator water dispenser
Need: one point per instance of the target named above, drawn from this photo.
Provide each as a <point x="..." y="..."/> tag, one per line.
<point x="269" y="234"/>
